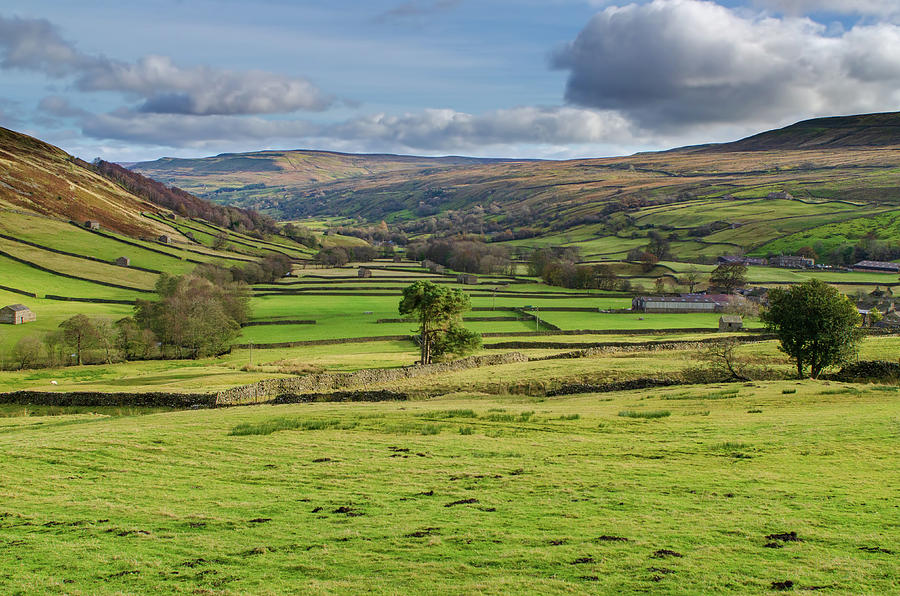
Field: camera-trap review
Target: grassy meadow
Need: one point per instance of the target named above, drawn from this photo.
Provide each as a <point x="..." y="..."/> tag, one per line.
<point x="688" y="490"/>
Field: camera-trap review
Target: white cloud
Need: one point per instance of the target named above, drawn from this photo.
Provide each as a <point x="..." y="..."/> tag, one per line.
<point x="673" y="64"/>
<point x="164" y="86"/>
<point x="884" y="8"/>
<point x="427" y="131"/>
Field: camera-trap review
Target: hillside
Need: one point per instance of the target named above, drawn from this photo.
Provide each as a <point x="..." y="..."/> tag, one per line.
<point x="864" y="130"/>
<point x="40" y="178"/>
<point x="255" y="179"/>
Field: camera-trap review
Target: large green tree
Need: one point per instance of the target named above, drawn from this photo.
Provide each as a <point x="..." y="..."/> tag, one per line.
<point x="816" y="325"/>
<point x="438" y="310"/>
<point x="729" y="277"/>
<point x="194" y="315"/>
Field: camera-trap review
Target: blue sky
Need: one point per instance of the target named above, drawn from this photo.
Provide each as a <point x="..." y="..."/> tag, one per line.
<point x="519" y="78"/>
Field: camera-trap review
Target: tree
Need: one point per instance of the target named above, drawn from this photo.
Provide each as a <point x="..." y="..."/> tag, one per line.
<point x="816" y="325"/>
<point x="729" y="277"/>
<point x="79" y="334"/>
<point x="691" y="278"/>
<point x="27" y="351"/>
<point x="438" y="309"/>
<point x="194" y="315"/>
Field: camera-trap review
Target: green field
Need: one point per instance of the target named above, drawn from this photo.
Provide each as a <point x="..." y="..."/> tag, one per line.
<point x="490" y="494"/>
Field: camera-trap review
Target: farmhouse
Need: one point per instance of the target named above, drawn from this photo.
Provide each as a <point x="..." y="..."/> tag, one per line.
<point x="467" y="279"/>
<point x="687" y="303"/>
<point x="730" y="323"/>
<point x="92" y="224"/>
<point x="165" y="239"/>
<point x="792" y="262"/>
<point x="364" y="272"/>
<point x="877" y="266"/>
<point x="16" y="314"/>
<point x="123" y="262"/>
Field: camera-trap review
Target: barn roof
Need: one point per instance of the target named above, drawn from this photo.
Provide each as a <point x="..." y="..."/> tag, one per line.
<point x="731" y="319"/>
<point x="17" y="307"/>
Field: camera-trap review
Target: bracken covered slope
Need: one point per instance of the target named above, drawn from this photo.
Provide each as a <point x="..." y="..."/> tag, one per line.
<point x="38" y="177"/>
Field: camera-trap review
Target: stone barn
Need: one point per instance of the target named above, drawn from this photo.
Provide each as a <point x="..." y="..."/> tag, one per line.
<point x="364" y="272"/>
<point x="16" y="314"/>
<point x="398" y="259"/>
<point x="92" y="224"/>
<point x="165" y="239"/>
<point x="730" y="323"/>
<point x="123" y="262"/>
<point x="467" y="279"/>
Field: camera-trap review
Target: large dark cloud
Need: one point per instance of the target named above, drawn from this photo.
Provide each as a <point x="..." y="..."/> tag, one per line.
<point x="163" y="86"/>
<point x="669" y="64"/>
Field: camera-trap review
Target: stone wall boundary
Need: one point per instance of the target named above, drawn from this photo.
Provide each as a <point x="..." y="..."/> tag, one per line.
<point x="269" y="389"/>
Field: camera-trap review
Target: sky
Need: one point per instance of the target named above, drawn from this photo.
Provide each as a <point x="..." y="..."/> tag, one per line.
<point x="555" y="79"/>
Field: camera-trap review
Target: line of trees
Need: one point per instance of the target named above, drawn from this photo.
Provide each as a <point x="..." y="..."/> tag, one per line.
<point x="463" y="253"/>
<point x="194" y="316"/>
<point x="557" y="266"/>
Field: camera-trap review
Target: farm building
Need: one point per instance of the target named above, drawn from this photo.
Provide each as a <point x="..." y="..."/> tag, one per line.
<point x="398" y="259"/>
<point x="165" y="239"/>
<point x="436" y="268"/>
<point x="688" y="303"/>
<point x="364" y="272"/>
<point x="792" y="262"/>
<point x="730" y="323"/>
<point x="780" y="195"/>
<point x="735" y="259"/>
<point x="467" y="279"/>
<point x="877" y="266"/>
<point x="123" y="262"/>
<point x="92" y="224"/>
<point x="16" y="314"/>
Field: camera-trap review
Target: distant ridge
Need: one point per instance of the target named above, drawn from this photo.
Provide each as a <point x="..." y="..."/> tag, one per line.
<point x="836" y="132"/>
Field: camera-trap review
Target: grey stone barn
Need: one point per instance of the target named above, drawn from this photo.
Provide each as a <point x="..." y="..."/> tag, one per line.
<point x="16" y="314"/>
<point x="364" y="272"/>
<point x="165" y="239"/>
<point x="730" y="323"/>
<point x="467" y="279"/>
<point x="92" y="225"/>
<point x="123" y="262"/>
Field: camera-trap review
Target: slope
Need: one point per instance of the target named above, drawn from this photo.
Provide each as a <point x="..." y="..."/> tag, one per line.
<point x="38" y="177"/>
<point x="252" y="179"/>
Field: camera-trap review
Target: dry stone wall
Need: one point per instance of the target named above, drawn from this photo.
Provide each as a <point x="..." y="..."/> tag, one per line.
<point x="268" y="389"/>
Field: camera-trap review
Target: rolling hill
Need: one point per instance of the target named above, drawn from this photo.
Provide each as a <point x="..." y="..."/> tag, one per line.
<point x="38" y="177"/>
<point x="255" y="179"/>
<point x="838" y="173"/>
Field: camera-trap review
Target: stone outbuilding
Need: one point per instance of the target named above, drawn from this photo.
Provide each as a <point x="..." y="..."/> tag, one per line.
<point x="467" y="279"/>
<point x="92" y="224"/>
<point x="165" y="239"/>
<point x="123" y="262"/>
<point x="16" y="314"/>
<point x="364" y="272"/>
<point x="731" y="323"/>
<point x="398" y="259"/>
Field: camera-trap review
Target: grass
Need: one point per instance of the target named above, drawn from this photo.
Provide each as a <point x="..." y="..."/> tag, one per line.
<point x="174" y="502"/>
<point x="647" y="414"/>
